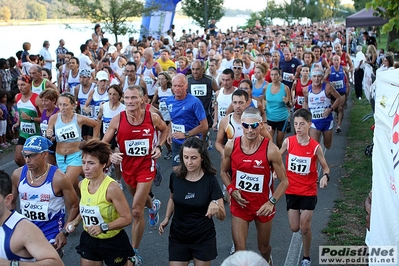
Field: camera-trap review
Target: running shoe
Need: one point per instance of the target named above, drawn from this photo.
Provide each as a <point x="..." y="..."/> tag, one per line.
<point x="338" y="130"/>
<point x="168" y="156"/>
<point x="305" y="262"/>
<point x="3" y="145"/>
<point x="136" y="260"/>
<point x="8" y="144"/>
<point x="154" y="215"/>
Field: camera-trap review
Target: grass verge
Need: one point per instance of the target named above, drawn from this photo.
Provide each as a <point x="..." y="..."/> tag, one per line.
<point x="347" y="222"/>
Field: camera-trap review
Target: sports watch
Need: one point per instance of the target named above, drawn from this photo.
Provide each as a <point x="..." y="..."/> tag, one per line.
<point x="104" y="227"/>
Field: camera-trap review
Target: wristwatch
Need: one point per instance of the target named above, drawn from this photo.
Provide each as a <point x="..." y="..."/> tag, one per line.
<point x="328" y="176"/>
<point x="65" y="232"/>
<point x="32" y="119"/>
<point x="104" y="227"/>
<point x="186" y="135"/>
<point x="273" y="200"/>
<point x="160" y="147"/>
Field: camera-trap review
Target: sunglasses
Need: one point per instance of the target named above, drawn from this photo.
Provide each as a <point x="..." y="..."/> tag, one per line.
<point x="253" y="125"/>
<point x="237" y="67"/>
<point x="29" y="155"/>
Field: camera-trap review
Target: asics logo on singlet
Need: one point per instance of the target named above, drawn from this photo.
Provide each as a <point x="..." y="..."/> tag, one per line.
<point x="66" y="129"/>
<point x="137" y="143"/>
<point x="298" y="160"/>
<point x="33" y="206"/>
<point x="86" y="211"/>
<point x="248" y="177"/>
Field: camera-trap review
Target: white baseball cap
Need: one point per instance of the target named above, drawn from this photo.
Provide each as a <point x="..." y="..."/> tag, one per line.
<point x="102" y="75"/>
<point x="111" y="49"/>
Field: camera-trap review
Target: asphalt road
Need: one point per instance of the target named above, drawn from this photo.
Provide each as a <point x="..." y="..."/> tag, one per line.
<point x="286" y="249"/>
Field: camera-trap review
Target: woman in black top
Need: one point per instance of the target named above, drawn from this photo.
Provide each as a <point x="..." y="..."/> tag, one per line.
<point x="195" y="197"/>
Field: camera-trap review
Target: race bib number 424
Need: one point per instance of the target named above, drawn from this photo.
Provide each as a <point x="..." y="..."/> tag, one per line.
<point x="249" y="182"/>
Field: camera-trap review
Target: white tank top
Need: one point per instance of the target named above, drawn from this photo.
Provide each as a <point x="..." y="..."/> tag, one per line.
<point x="97" y="100"/>
<point x="82" y="97"/>
<point x="72" y="81"/>
<point x="115" y="67"/>
<point x="224" y="101"/>
<point x="163" y="108"/>
<point x="126" y="83"/>
<point x="108" y="114"/>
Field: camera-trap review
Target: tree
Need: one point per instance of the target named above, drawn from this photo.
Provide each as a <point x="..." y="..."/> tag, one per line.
<point x="195" y="9"/>
<point x="5" y="13"/>
<point x="37" y="11"/>
<point x="390" y="10"/>
<point x="273" y="11"/>
<point x="114" y="13"/>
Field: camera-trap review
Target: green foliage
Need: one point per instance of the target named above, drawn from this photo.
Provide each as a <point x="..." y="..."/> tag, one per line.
<point x="114" y="13"/>
<point x="196" y="10"/>
<point x="37" y="11"/>
<point x="5" y="13"/>
<point x="360" y="4"/>
<point x="390" y="10"/>
<point x="273" y="11"/>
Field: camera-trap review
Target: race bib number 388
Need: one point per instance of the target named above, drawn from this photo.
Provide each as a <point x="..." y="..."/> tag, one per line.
<point x="137" y="147"/>
<point x="249" y="182"/>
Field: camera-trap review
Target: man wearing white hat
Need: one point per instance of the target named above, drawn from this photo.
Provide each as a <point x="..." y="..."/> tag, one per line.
<point x="98" y="95"/>
<point x="117" y="62"/>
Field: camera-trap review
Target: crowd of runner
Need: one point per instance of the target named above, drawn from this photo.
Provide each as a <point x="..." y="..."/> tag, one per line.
<point x="248" y="85"/>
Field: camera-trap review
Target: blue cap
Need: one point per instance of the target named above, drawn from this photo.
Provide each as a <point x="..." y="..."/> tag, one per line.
<point x="37" y="144"/>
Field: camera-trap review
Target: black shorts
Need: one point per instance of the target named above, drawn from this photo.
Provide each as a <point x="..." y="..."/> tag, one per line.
<point x="87" y="131"/>
<point x="295" y="202"/>
<point x="205" y="251"/>
<point x="280" y="125"/>
<point x="113" y="251"/>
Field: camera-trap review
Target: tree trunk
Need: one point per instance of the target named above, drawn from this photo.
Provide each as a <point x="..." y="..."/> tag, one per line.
<point x="392" y="35"/>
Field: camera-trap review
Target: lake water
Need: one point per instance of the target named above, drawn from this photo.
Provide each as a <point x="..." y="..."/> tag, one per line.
<point x="14" y="36"/>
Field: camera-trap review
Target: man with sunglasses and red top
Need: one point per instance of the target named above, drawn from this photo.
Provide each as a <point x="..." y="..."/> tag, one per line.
<point x="250" y="185"/>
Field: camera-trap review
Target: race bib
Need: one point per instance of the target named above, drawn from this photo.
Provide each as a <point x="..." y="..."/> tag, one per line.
<point x="338" y="85"/>
<point x="148" y="81"/>
<point x="249" y="182"/>
<point x="222" y="111"/>
<point x="96" y="110"/>
<point x="137" y="147"/>
<point x="198" y="90"/>
<point x="91" y="215"/>
<point x="318" y="113"/>
<point x="300" y="100"/>
<point x="162" y="107"/>
<point x="299" y="165"/>
<point x="35" y="211"/>
<point x="287" y="76"/>
<point x="178" y="128"/>
<point x="28" y="127"/>
<point x="69" y="132"/>
<point x="43" y="128"/>
<point x="89" y="112"/>
<point x="105" y="126"/>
